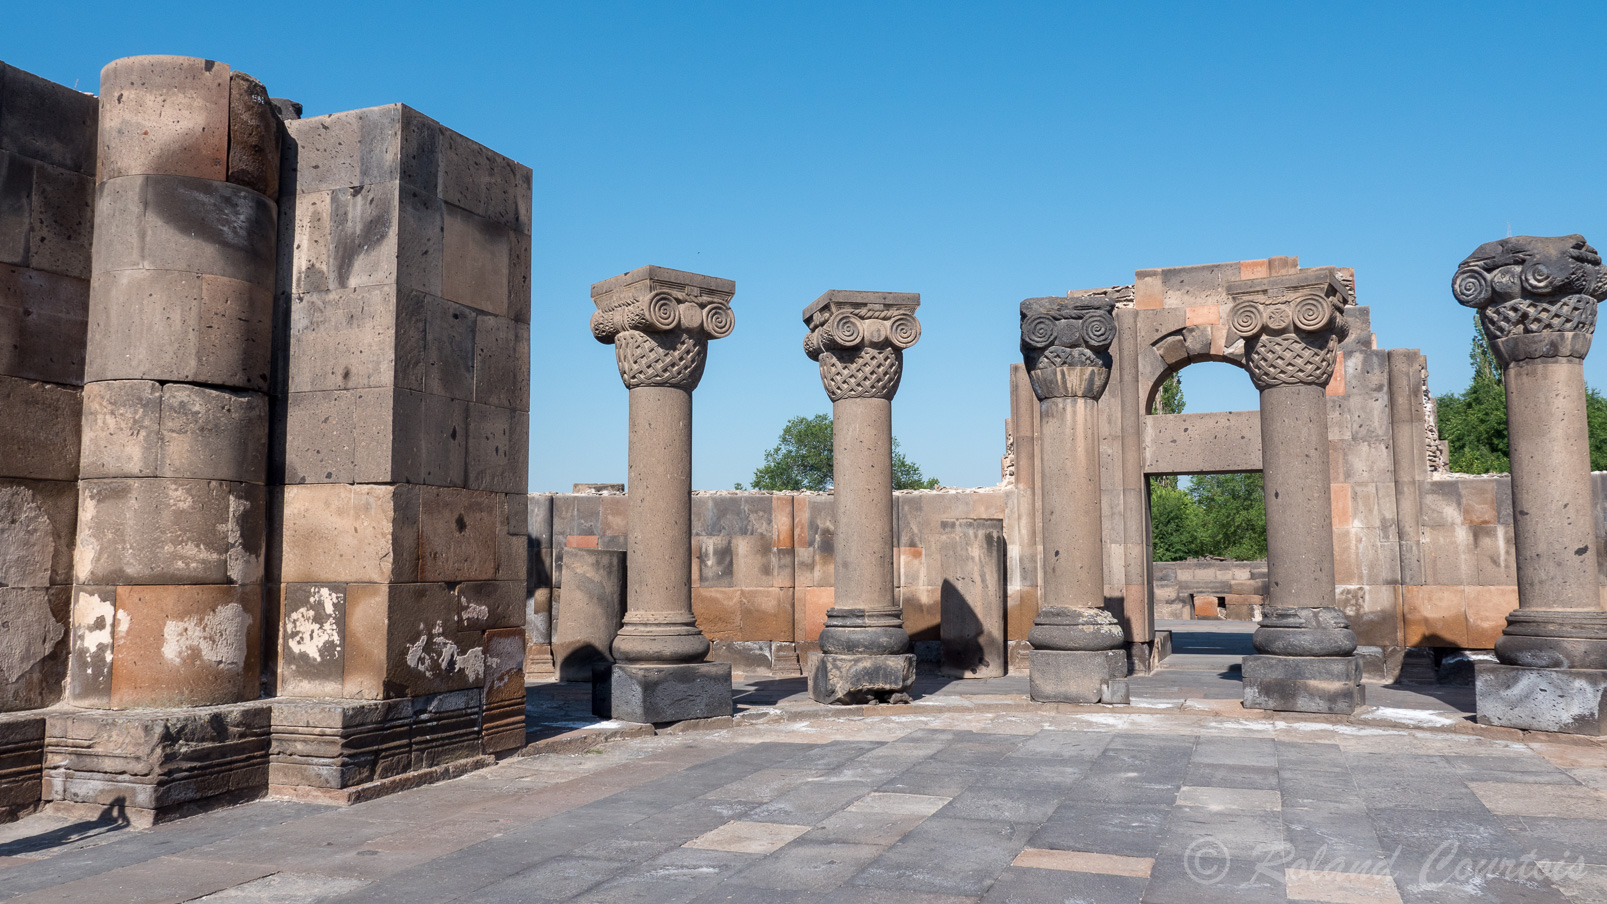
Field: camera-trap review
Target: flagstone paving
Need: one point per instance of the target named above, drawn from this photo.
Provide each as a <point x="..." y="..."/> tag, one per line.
<point x="1125" y="804"/>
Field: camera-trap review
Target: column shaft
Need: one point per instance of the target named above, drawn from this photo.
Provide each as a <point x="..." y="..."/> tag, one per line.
<point x="1553" y="522"/>
<point x="862" y="450"/>
<point x="1300" y="539"/>
<point x="660" y="488"/>
<point x="1073" y="558"/>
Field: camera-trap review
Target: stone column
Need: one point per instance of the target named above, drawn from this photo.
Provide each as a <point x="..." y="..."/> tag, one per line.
<point x="660" y="322"/>
<point x="859" y="339"/>
<point x="1079" y="653"/>
<point x="1292" y="326"/>
<point x="1536" y="299"/>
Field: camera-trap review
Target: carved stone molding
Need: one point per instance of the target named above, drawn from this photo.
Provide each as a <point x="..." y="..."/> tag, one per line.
<point x="660" y="322"/>
<point x="1291" y="326"/>
<point x="1065" y="344"/>
<point x="859" y="339"/>
<point x="1536" y="296"/>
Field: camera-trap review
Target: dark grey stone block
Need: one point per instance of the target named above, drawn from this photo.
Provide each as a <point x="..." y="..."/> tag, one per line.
<point x="661" y="693"/>
<point x="852" y="680"/>
<point x="1074" y="676"/>
<point x="1569" y="701"/>
<point x="1304" y="684"/>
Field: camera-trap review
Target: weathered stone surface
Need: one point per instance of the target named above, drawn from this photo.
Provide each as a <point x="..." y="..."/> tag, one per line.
<point x="312" y="640"/>
<point x="253" y="136"/>
<point x="497" y="449"/>
<point x="1071" y="629"/>
<point x="339" y="533"/>
<point x="38" y="520"/>
<point x="176" y="223"/>
<point x="39" y="434"/>
<point x="1202" y="443"/>
<point x="153" y="763"/>
<point x="178" y="327"/>
<point x="590" y="609"/>
<point x="338" y="744"/>
<point x="33" y="645"/>
<point x="22" y="757"/>
<point x="169" y="531"/>
<point x="1320" y="631"/>
<point x="195" y="645"/>
<point x="164" y="114"/>
<point x="972" y="600"/>
<point x="1304" y="684"/>
<point x="502" y="718"/>
<point x="847" y="680"/>
<point x="403" y="639"/>
<point x="1568" y="701"/>
<point x="446" y="728"/>
<point x="139" y="428"/>
<point x="661" y="693"/>
<point x="47" y="122"/>
<point x="376" y="436"/>
<point x="1080" y="676"/>
<point x="458" y="532"/>
<point x="44" y="318"/>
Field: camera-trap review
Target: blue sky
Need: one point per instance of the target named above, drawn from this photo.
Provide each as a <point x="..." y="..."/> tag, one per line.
<point x="975" y="153"/>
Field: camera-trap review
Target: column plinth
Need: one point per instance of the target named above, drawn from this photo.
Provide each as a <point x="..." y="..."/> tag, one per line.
<point x="660" y="322"/>
<point x="859" y="340"/>
<point x="1536" y="298"/>
<point x="1292" y="326"/>
<point x="1078" y="648"/>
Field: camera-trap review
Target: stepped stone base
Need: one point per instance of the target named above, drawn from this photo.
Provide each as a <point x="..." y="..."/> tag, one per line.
<point x="22" y="759"/>
<point x="661" y="693"/>
<point x="1568" y="701"/>
<point x="847" y="680"/>
<point x="151" y="765"/>
<point x="1304" y="684"/>
<point x="1078" y="676"/>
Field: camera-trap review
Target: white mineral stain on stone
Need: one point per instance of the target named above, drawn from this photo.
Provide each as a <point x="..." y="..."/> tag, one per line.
<point x="26" y="540"/>
<point x="85" y="549"/>
<point x="243" y="566"/>
<point x="433" y="654"/>
<point x="311" y="628"/>
<point x="219" y="638"/>
<point x="475" y="611"/>
<point x="472" y="663"/>
<point x="92" y="633"/>
<point x="1415" y="717"/>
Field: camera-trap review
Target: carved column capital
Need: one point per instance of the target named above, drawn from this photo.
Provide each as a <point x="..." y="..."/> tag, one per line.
<point x="859" y="339"/>
<point x="1291" y="326"/>
<point x="1065" y="343"/>
<point x="660" y="322"/>
<point x="1536" y="296"/>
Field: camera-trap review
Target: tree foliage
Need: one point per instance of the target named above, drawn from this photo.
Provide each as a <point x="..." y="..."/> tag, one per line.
<point x="1215" y="515"/>
<point x="1473" y="422"/>
<point x="802" y="460"/>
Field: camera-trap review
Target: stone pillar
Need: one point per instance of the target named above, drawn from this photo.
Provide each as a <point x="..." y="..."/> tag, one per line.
<point x="590" y="607"/>
<point x="168" y="598"/>
<point x="972" y="598"/>
<point x="660" y="322"/>
<point x="1079" y="651"/>
<point x="1292" y="326"/>
<point x="1536" y="299"/>
<point x="859" y="339"/>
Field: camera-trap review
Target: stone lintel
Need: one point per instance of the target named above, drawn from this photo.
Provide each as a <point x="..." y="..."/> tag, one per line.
<point x="1312" y="280"/>
<point x="659" y="277"/>
<point x="855" y="300"/>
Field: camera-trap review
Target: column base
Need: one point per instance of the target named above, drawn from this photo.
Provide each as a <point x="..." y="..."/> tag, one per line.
<point x="842" y="679"/>
<point x="22" y="759"/>
<point x="1567" y="701"/>
<point x="661" y="693"/>
<point x="147" y="766"/>
<point x="1078" y="676"/>
<point x="1304" y="684"/>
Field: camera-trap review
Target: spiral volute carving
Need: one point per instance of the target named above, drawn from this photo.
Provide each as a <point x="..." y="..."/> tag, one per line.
<point x="1291" y="325"/>
<point x="660" y="330"/>
<point x="1536" y="295"/>
<point x="1065" y="344"/>
<point x="859" y="339"/>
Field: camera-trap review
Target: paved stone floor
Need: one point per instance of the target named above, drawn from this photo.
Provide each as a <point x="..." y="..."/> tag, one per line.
<point x="1179" y="800"/>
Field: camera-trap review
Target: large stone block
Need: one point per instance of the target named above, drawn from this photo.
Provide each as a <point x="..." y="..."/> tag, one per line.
<point x="475" y="265"/>
<point x="403" y="639"/>
<point x="139" y="428"/>
<point x="164" y="114"/>
<point x="352" y="339"/>
<point x="498" y="457"/>
<point x="446" y="728"/>
<point x="179" y="327"/>
<point x="972" y="552"/>
<point x="254" y="136"/>
<point x="33" y="646"/>
<point x="661" y="693"/>
<point x="502" y="719"/>
<point x="312" y="640"/>
<point x="339" y="744"/>
<point x="44" y="318"/>
<point x="852" y="680"/>
<point x="1075" y="676"/>
<point x="483" y="605"/>
<point x="38" y="524"/>
<point x="458" y="531"/>
<point x="39" y="433"/>
<point x="195" y="645"/>
<point x="502" y="363"/>
<point x="590" y="607"/>
<point x="155" y="764"/>
<point x="188" y="225"/>
<point x="1304" y="684"/>
<point x="337" y="533"/>
<point x="22" y="758"/>
<point x="1567" y="701"/>
<point x="169" y="531"/>
<point x="44" y="121"/>
<point x="61" y="223"/>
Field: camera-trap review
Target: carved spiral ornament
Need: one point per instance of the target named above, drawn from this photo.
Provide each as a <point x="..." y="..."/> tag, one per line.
<point x="1039" y="331"/>
<point x="845" y="330"/>
<point x="1065" y="345"/>
<point x="1291" y="331"/>
<point x="718" y="321"/>
<point x="903" y="330"/>
<point x="1536" y="295"/>
<point x="1312" y="313"/>
<point x="1471" y="287"/>
<point x="1247" y="318"/>
<point x="1099" y="330"/>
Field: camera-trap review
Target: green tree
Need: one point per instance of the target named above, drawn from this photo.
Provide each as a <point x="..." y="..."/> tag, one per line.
<point x="802" y="460"/>
<point x="1473" y="422"/>
<point x="1233" y="515"/>
<point x="1175" y="522"/>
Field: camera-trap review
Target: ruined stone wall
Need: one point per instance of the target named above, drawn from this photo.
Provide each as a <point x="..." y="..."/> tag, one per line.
<point x="1210" y="588"/>
<point x="47" y="174"/>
